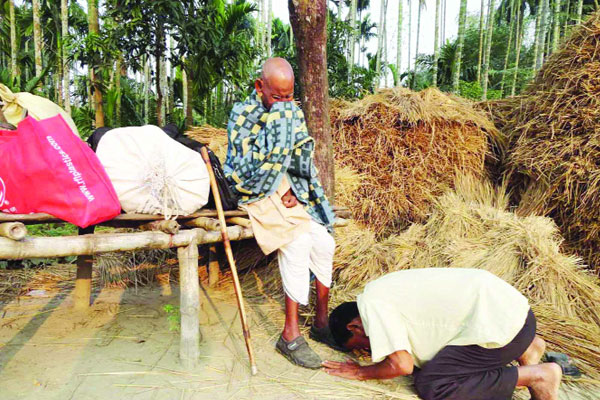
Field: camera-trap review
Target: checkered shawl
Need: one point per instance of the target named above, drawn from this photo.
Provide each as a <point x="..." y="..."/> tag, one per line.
<point x="263" y="146"/>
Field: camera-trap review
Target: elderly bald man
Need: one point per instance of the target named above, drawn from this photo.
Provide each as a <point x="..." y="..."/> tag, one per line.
<point x="270" y="166"/>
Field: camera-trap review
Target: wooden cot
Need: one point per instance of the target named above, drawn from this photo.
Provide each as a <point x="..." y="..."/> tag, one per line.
<point x="185" y="234"/>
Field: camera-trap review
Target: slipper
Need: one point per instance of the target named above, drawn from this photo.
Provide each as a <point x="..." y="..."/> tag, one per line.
<point x="565" y="362"/>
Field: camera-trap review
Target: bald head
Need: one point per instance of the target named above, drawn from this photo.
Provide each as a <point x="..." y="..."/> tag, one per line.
<point x="276" y="82"/>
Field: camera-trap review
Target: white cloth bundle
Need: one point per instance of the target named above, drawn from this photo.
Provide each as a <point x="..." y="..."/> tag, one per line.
<point x="152" y="173"/>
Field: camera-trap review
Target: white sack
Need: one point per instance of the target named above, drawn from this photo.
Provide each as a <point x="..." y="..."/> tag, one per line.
<point x="152" y="173"/>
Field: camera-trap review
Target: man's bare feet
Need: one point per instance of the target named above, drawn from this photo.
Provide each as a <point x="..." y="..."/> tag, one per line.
<point x="534" y="352"/>
<point x="542" y="380"/>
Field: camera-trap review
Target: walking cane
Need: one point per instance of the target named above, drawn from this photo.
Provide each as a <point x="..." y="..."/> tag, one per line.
<point x="227" y="244"/>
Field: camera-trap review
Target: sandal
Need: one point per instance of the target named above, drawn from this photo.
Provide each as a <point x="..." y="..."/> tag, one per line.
<point x="565" y="362"/>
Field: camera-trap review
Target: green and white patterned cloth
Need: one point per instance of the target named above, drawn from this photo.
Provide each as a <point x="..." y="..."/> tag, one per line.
<point x="263" y="146"/>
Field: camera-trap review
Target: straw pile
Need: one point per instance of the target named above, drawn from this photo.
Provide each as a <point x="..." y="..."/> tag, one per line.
<point x="552" y="163"/>
<point x="215" y="138"/>
<point x="470" y="227"/>
<point x="408" y="145"/>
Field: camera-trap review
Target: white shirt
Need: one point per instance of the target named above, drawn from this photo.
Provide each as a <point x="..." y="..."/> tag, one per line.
<point x="423" y="310"/>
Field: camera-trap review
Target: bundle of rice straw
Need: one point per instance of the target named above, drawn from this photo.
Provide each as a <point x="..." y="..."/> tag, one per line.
<point x="214" y="138"/>
<point x="408" y="145"/>
<point x="470" y="227"/>
<point x="552" y="161"/>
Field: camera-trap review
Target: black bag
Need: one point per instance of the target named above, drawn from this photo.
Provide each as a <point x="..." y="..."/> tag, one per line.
<point x="228" y="197"/>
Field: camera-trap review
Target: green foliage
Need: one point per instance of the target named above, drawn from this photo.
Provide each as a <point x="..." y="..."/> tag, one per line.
<point x="173" y="316"/>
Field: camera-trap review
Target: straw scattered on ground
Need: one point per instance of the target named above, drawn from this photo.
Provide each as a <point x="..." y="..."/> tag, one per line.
<point x="554" y="130"/>
<point x="408" y="146"/>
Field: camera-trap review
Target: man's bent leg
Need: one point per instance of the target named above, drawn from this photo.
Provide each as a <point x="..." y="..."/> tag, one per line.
<point x="534" y="352"/>
<point x="542" y="380"/>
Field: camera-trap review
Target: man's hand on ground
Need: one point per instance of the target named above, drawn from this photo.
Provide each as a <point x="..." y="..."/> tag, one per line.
<point x="288" y="199"/>
<point x="349" y="369"/>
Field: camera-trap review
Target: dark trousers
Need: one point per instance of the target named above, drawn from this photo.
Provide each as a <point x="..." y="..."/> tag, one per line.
<point x="474" y="372"/>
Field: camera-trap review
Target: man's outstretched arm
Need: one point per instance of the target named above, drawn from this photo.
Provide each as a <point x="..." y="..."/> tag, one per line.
<point x="399" y="363"/>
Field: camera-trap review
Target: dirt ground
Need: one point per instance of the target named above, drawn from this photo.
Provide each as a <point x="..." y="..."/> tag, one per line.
<point x="123" y="348"/>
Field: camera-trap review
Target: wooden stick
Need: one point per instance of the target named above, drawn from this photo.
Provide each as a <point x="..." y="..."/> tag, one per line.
<point x="189" y="294"/>
<point x="167" y="226"/>
<point x="245" y="222"/>
<point x="13" y="230"/>
<point x="229" y="253"/>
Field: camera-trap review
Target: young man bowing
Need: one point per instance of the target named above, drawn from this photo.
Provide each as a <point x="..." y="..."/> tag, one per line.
<point x="455" y="330"/>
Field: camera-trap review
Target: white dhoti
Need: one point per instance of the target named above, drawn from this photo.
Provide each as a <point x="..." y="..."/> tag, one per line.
<point x="311" y="251"/>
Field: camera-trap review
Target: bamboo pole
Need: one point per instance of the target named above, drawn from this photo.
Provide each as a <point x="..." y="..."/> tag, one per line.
<point x="167" y="226"/>
<point x="46" y="218"/>
<point x="189" y="293"/>
<point x="13" y="230"/>
<point x="209" y="224"/>
<point x="52" y="247"/>
<point x="229" y="253"/>
<point x="239" y="221"/>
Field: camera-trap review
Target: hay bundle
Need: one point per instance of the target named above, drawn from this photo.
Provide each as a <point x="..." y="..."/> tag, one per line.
<point x="471" y="228"/>
<point x="553" y="157"/>
<point x="215" y="138"/>
<point x="408" y="145"/>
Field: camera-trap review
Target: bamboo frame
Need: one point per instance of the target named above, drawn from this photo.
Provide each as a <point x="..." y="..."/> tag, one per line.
<point x="13" y="230"/>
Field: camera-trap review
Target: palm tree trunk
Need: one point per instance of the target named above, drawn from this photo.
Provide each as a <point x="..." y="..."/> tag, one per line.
<point x="118" y="75"/>
<point x="380" y="35"/>
<point x="420" y="5"/>
<point x="172" y="82"/>
<point x="556" y="30"/>
<point x="385" y="52"/>
<point x="511" y="30"/>
<point x="146" y="89"/>
<point x="518" y="43"/>
<point x="64" y="14"/>
<point x="14" y="70"/>
<point x="436" y="43"/>
<point x="95" y="80"/>
<point x="158" y="56"/>
<point x="579" y="11"/>
<point x="488" y="44"/>
<point x="352" y="41"/>
<point x="269" y="27"/>
<point x="409" y="32"/>
<point x="541" y="37"/>
<point x="38" y="40"/>
<point x="481" y="37"/>
<point x="399" y="42"/>
<point x="462" y="22"/>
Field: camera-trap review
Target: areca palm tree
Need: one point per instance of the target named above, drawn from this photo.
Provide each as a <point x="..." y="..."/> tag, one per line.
<point x="462" y="21"/>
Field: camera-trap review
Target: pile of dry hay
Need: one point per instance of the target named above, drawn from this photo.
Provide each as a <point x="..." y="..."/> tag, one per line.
<point x="470" y="227"/>
<point x="408" y="146"/>
<point x="214" y="138"/>
<point x="552" y="162"/>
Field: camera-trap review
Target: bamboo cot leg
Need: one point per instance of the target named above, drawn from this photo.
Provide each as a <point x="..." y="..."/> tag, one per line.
<point x="213" y="266"/>
<point x="189" y="287"/>
<point x="82" y="293"/>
